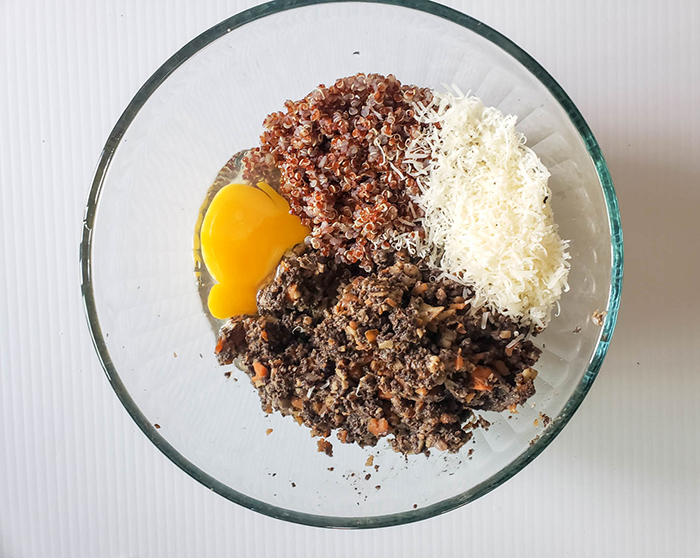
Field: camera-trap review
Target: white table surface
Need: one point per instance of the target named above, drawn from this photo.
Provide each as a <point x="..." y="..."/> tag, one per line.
<point x="79" y="480"/>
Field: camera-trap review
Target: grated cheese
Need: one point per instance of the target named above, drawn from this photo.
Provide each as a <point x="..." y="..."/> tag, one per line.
<point x="487" y="217"/>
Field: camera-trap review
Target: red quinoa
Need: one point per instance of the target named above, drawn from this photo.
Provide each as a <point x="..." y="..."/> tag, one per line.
<point x="340" y="154"/>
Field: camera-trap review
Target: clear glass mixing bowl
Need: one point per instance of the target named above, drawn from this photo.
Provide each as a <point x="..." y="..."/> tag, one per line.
<point x="141" y="296"/>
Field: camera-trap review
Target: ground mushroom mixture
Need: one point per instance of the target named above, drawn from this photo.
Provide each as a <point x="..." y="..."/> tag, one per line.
<point x="388" y="353"/>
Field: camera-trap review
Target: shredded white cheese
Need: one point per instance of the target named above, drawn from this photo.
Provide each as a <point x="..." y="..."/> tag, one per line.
<point x="487" y="217"/>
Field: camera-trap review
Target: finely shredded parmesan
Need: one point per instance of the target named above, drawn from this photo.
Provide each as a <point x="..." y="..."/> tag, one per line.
<point x="487" y="217"/>
<point x="484" y="320"/>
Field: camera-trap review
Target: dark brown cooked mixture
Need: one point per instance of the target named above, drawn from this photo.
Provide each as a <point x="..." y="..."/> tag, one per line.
<point x="389" y="353"/>
<point x="340" y="153"/>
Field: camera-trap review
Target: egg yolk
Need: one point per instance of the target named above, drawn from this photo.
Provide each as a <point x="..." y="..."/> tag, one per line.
<point x="245" y="232"/>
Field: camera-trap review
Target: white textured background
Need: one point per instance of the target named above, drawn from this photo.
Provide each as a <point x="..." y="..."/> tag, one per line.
<point x="79" y="480"/>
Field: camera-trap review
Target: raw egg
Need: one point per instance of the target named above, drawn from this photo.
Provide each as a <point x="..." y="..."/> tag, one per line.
<point x="245" y="232"/>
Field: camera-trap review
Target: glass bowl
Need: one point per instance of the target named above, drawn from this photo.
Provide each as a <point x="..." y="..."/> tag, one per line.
<point x="141" y="294"/>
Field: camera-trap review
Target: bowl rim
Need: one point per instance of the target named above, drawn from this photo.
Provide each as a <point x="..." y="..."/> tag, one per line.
<point x="190" y="49"/>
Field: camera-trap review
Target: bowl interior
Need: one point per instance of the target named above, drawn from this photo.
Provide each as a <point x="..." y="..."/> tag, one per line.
<point x="142" y="295"/>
